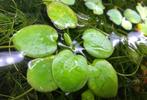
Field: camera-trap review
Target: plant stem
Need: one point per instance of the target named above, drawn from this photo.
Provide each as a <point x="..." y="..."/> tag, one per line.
<point x="7" y="96"/>
<point x="131" y="74"/>
<point x="3" y="47"/>
<point x="23" y="94"/>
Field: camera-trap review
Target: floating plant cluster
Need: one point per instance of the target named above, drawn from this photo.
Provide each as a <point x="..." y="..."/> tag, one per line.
<point x="68" y="70"/>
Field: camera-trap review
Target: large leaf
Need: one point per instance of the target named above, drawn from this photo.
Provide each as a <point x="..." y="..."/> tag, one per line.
<point x="61" y="15"/>
<point x="36" y="40"/>
<point x="97" y="44"/>
<point x="39" y="75"/>
<point x="103" y="79"/>
<point x="69" y="71"/>
<point x="115" y="16"/>
<point x="132" y="16"/>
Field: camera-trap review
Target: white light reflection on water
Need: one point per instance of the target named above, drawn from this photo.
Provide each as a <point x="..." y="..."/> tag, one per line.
<point x="115" y="39"/>
<point x="8" y="58"/>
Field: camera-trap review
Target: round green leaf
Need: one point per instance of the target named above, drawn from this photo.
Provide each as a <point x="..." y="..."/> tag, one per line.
<point x="97" y="2"/>
<point x="90" y="5"/>
<point x="97" y="44"/>
<point x="61" y="15"/>
<point x="69" y="71"/>
<point x="95" y="5"/>
<point x="115" y="16"/>
<point x="103" y="79"/>
<point x="36" y="40"/>
<point x="126" y="24"/>
<point x="132" y="16"/>
<point x="87" y="95"/>
<point x="39" y="75"/>
<point x="96" y="9"/>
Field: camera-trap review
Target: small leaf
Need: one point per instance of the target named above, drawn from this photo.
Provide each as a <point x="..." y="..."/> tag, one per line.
<point x="115" y="16"/>
<point x="103" y="80"/>
<point x="97" y="44"/>
<point x="36" y="40"/>
<point x="142" y="11"/>
<point x="97" y="2"/>
<point x="98" y="10"/>
<point x="95" y="5"/>
<point x="87" y="95"/>
<point x="69" y="71"/>
<point x="126" y="24"/>
<point x="90" y="5"/>
<point x="39" y="75"/>
<point x="67" y="39"/>
<point x="61" y="15"/>
<point x="132" y="16"/>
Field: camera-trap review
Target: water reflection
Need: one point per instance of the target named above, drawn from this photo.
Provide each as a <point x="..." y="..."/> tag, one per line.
<point x="8" y="58"/>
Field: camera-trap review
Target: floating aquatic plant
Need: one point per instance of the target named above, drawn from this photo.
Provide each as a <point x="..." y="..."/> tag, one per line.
<point x="69" y="49"/>
<point x="61" y="15"/>
<point x="36" y="40"/>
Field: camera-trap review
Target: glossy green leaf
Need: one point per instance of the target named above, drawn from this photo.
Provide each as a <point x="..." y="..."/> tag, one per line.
<point x="39" y="75"/>
<point x="36" y="40"/>
<point x="142" y="11"/>
<point x="67" y="39"/>
<point x="126" y="24"/>
<point x="103" y="79"/>
<point x="69" y="71"/>
<point x="87" y="95"/>
<point x="61" y="15"/>
<point x="97" y="44"/>
<point x="132" y="16"/>
<point x="115" y="16"/>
